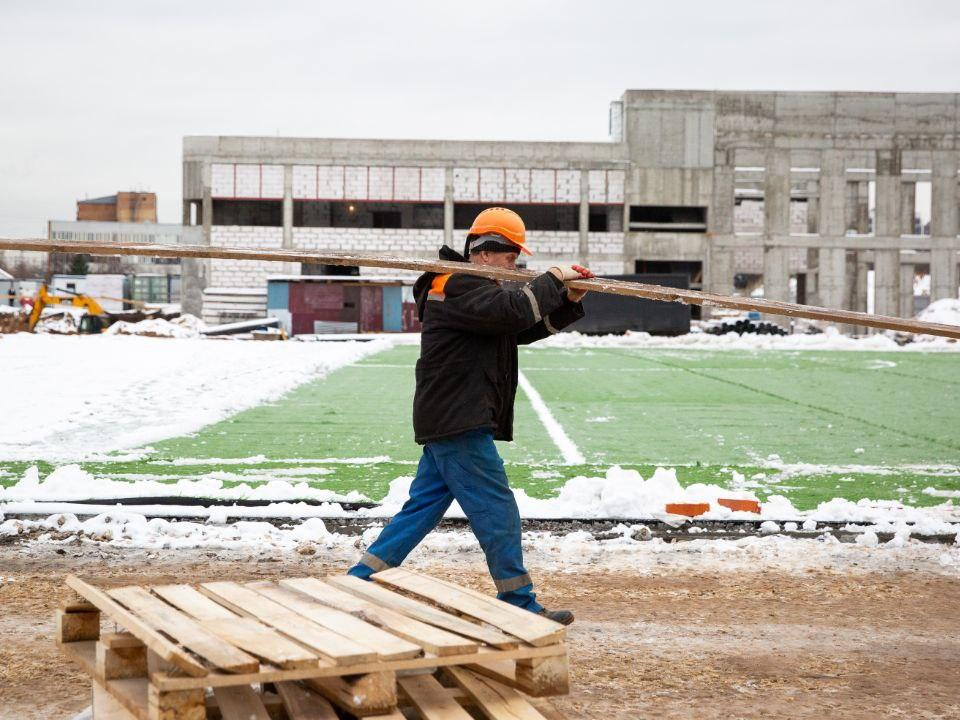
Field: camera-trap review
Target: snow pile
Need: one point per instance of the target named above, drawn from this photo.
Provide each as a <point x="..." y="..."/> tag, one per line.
<point x="185" y="326"/>
<point x="830" y="339"/>
<point x="59" y="324"/>
<point x="71" y="483"/>
<point x="944" y="312"/>
<point x="124" y="392"/>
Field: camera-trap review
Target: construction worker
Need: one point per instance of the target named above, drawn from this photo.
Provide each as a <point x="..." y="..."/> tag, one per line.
<point x="466" y="384"/>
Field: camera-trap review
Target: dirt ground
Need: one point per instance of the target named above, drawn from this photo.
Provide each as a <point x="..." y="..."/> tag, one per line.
<point x="674" y="644"/>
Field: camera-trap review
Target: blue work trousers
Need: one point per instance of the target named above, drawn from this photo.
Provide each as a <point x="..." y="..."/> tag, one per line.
<point x="467" y="468"/>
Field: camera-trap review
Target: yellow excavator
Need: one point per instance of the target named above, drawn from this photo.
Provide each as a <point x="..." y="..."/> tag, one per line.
<point x="94" y="321"/>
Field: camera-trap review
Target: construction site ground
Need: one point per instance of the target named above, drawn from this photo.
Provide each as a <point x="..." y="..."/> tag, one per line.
<point x="677" y="643"/>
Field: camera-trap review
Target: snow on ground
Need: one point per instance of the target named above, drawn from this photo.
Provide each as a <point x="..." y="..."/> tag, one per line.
<point x="831" y="339"/>
<point x="67" y="398"/>
<point x="624" y="547"/>
<point x="618" y="493"/>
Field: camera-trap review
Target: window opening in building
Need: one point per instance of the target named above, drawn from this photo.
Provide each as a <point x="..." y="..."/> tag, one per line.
<point x="364" y="214"/>
<point x="693" y="269"/>
<point x="668" y="218"/>
<point x="548" y="216"/>
<point x="323" y="269"/>
<point x="248" y="212"/>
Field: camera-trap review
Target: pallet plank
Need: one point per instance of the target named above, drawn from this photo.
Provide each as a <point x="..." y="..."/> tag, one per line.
<point x="240" y="703"/>
<point x="246" y="633"/>
<point x="495" y="700"/>
<point x="374" y="693"/>
<point x="339" y="649"/>
<point x="534" y="629"/>
<point x="148" y="635"/>
<point x="421" y="611"/>
<point x="431" y="699"/>
<point x="304" y="704"/>
<point x="193" y="602"/>
<point x="184" y="630"/>
<point x="386" y="645"/>
<point x="430" y="638"/>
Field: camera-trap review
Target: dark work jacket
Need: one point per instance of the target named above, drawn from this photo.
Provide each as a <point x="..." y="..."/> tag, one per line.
<point x="467" y="371"/>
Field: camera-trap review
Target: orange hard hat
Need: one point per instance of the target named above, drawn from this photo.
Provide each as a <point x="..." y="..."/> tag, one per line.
<point x="503" y="222"/>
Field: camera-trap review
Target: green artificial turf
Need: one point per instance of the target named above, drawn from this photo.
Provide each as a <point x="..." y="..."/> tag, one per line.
<point x="706" y="413"/>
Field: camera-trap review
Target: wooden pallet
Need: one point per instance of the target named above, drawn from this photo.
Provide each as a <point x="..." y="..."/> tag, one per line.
<point x="299" y="648"/>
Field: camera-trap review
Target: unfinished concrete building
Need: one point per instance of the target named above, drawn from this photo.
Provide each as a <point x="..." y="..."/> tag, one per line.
<point x="808" y="196"/>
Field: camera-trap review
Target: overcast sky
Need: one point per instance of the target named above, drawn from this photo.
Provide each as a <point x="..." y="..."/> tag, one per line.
<point x="96" y="97"/>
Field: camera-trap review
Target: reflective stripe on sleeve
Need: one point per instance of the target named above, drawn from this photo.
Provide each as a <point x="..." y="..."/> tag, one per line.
<point x="374" y="563"/>
<point x="533" y="303"/>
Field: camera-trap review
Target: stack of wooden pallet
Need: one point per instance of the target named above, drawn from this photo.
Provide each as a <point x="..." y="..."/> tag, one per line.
<point x="408" y="646"/>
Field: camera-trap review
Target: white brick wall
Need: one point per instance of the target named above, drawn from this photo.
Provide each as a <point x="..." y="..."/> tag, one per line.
<point x="568" y="186"/>
<point x="518" y="185"/>
<point x="606" y="186"/>
<point x="614" y="186"/>
<point x="559" y="243"/>
<point x="246" y="273"/>
<point x="271" y="182"/>
<point x="543" y="185"/>
<point x="406" y="183"/>
<point x="604" y="243"/>
<point x="221" y="180"/>
<point x="380" y="183"/>
<point x="248" y="181"/>
<point x="465" y="184"/>
<point x="390" y="242"/>
<point x="432" y="182"/>
<point x="330" y="182"/>
<point x="305" y="182"/>
<point x="492" y="185"/>
<point x="356" y="183"/>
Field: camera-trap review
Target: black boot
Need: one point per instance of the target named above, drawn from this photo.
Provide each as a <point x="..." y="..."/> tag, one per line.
<point x="564" y="617"/>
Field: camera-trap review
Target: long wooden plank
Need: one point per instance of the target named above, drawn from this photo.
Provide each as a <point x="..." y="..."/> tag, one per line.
<point x="604" y="285"/>
<point x="240" y="703"/>
<point x="431" y="698"/>
<point x="149" y="636"/>
<point x="184" y="630"/>
<point x="303" y="704"/>
<point x="495" y="700"/>
<point x="534" y="629"/>
<point x="421" y="611"/>
<point x="336" y="647"/>
<point x="244" y="632"/>
<point x="430" y="638"/>
<point x="386" y="645"/>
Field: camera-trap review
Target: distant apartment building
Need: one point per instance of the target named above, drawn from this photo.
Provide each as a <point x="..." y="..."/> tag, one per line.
<point x="138" y="207"/>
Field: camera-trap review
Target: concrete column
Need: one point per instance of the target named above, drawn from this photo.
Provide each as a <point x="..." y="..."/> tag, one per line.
<point x="863" y="208"/>
<point x="944" y="225"/>
<point x="186" y="213"/>
<point x="206" y="207"/>
<point x="832" y="224"/>
<point x="906" y="289"/>
<point x="584" y="225"/>
<point x="195" y="271"/>
<point x="859" y="272"/>
<point x="719" y="268"/>
<point x="908" y="207"/>
<point x="448" y="207"/>
<point x="287" y="207"/>
<point x="776" y="216"/>
<point x="886" y="282"/>
<point x="886" y="266"/>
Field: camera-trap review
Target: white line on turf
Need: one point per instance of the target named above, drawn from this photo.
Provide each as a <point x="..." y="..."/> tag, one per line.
<point x="569" y="451"/>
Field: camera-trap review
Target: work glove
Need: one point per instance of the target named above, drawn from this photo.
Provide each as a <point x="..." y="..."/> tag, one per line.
<point x="572" y="272"/>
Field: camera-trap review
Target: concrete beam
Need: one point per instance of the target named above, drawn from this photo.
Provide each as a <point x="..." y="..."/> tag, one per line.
<point x="849" y="242"/>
